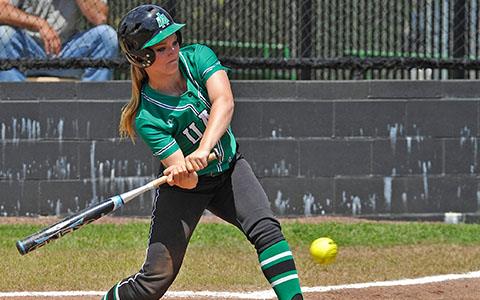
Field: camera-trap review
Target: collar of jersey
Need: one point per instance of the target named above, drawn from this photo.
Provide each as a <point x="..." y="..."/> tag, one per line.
<point x="148" y="88"/>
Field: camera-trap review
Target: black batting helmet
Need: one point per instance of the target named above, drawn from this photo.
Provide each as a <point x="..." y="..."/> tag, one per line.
<point x="143" y="27"/>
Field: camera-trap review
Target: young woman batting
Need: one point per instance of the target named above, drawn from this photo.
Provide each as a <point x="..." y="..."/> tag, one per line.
<point x="181" y="107"/>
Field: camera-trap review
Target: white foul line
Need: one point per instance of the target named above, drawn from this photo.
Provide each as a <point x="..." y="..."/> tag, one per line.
<point x="261" y="294"/>
<point x="421" y="280"/>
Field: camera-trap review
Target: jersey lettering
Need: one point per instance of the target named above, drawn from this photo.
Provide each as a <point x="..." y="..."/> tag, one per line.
<point x="204" y="116"/>
<point x="196" y="131"/>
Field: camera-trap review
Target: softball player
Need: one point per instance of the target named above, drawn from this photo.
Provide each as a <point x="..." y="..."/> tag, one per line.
<point x="181" y="107"/>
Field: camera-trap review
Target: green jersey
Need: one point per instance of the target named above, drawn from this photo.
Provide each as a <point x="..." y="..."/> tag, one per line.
<point x="168" y="123"/>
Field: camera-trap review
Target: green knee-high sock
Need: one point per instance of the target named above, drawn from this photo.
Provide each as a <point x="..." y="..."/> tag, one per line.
<point x="279" y="268"/>
<point x="112" y="294"/>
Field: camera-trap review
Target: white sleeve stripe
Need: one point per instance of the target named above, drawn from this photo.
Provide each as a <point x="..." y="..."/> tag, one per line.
<point x="161" y="151"/>
<point x="210" y="68"/>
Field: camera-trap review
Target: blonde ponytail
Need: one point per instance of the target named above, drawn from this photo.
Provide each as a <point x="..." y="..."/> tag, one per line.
<point x="129" y="111"/>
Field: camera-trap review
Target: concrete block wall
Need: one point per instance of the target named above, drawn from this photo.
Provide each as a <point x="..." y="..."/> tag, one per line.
<point x="348" y="148"/>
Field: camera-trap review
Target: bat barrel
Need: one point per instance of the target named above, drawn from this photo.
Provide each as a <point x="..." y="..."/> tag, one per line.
<point x="68" y="225"/>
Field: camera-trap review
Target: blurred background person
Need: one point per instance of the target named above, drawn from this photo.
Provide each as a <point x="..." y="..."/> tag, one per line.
<point x="40" y="29"/>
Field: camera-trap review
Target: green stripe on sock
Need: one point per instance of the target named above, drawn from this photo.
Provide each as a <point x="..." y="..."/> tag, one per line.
<point x="273" y="250"/>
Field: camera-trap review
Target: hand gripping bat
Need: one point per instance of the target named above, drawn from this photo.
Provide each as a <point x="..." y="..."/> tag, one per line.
<point x="89" y="215"/>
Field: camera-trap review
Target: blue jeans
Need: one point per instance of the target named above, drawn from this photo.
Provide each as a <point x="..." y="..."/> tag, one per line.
<point x="99" y="42"/>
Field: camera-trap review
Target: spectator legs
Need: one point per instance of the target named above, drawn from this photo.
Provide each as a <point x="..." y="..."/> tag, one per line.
<point x="99" y="42"/>
<point x="15" y="44"/>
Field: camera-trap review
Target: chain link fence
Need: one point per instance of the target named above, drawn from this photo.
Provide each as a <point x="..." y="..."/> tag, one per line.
<point x="310" y="39"/>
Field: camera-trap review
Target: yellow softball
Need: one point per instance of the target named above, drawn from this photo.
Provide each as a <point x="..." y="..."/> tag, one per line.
<point x="323" y="250"/>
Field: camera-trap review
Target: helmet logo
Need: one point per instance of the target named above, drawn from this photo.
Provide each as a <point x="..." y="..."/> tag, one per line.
<point x="162" y="20"/>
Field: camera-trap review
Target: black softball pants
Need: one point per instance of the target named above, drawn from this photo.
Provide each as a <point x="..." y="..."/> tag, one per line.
<point x="236" y="196"/>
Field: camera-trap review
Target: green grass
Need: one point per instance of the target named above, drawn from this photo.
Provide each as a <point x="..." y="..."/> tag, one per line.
<point x="219" y="257"/>
<point x="385" y="234"/>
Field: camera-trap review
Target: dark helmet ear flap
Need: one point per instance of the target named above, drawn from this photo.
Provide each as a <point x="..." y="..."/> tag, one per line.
<point x="143" y="58"/>
<point x="146" y="57"/>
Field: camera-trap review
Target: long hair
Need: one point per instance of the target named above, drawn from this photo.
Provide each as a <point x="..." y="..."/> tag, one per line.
<point x="126" y="127"/>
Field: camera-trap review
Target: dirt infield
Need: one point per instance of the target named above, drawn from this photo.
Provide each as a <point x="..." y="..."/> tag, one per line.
<point x="455" y="289"/>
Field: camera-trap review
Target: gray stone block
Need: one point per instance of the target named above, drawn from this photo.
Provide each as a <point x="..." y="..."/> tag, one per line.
<point x="300" y="196"/>
<point x="116" y="159"/>
<point x="77" y="119"/>
<point x="37" y="90"/>
<point x="297" y="119"/>
<point x="461" y="89"/>
<point x="63" y="197"/>
<point x="271" y="158"/>
<point x="395" y="191"/>
<point x="41" y="160"/>
<point x="19" y="198"/>
<point x="442" y="118"/>
<point x="391" y="158"/>
<point x="407" y="156"/>
<point x="247" y="119"/>
<point x="3" y="156"/>
<point x="271" y="89"/>
<point x="430" y="194"/>
<point x="369" y="118"/>
<point x="461" y="156"/>
<point x="357" y="196"/>
<point x="452" y="193"/>
<point x="59" y="120"/>
<point x="405" y="89"/>
<point x="20" y="120"/>
<point x="97" y="120"/>
<point x="418" y="197"/>
<point x="332" y="90"/>
<point x="321" y="158"/>
<point x="114" y="90"/>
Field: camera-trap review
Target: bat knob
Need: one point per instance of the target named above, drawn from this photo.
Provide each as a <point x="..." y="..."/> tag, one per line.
<point x="21" y="248"/>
